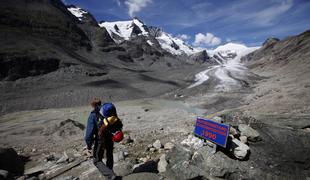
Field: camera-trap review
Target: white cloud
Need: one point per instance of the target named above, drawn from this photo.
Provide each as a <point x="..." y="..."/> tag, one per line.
<point x="184" y="37"/>
<point x="135" y="6"/>
<point x="266" y="16"/>
<point x="207" y="39"/>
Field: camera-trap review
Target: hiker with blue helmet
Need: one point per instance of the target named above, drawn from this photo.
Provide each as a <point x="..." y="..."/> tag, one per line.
<point x="103" y="129"/>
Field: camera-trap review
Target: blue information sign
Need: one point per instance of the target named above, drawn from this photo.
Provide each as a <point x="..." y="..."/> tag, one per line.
<point x="212" y="131"/>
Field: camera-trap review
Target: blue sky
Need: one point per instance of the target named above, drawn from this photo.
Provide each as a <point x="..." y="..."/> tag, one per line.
<point x="209" y="23"/>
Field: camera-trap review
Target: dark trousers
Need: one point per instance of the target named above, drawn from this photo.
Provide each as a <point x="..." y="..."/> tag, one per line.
<point x="99" y="148"/>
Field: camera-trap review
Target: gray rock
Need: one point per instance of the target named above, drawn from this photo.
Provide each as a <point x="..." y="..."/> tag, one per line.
<point x="162" y="164"/>
<point x="243" y="139"/>
<point x="36" y="170"/>
<point x="67" y="178"/>
<point x="233" y="131"/>
<point x="152" y="149"/>
<point x="4" y="174"/>
<point x="181" y="164"/>
<point x="199" y="157"/>
<point x="193" y="142"/>
<point x="220" y="164"/>
<point x="50" y="157"/>
<point x="249" y="132"/>
<point x="184" y="170"/>
<point x="168" y="146"/>
<point x="118" y="156"/>
<point x="240" y="150"/>
<point x="63" y="159"/>
<point x="217" y="119"/>
<point x="157" y="144"/>
<point x="216" y="164"/>
<point x="34" y="178"/>
<point x="142" y="176"/>
<point x="123" y="169"/>
<point x="178" y="154"/>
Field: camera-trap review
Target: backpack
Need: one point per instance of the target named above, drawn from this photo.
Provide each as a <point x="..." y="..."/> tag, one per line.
<point x="111" y="123"/>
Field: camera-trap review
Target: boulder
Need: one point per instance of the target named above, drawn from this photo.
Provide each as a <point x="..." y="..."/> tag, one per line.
<point x="243" y="139"/>
<point x="240" y="149"/>
<point x="11" y="161"/>
<point x="123" y="169"/>
<point x="216" y="164"/>
<point x="199" y="157"/>
<point x="168" y="146"/>
<point x="233" y="131"/>
<point x="217" y="119"/>
<point x="118" y="156"/>
<point x="4" y="174"/>
<point x="249" y="132"/>
<point x="178" y="154"/>
<point x="142" y="176"/>
<point x="157" y="144"/>
<point x="192" y="142"/>
<point x="184" y="170"/>
<point x="180" y="165"/>
<point x="152" y="149"/>
<point x="162" y="164"/>
<point x="220" y="165"/>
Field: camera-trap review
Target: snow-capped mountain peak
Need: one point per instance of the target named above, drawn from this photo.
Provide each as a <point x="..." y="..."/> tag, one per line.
<point x="230" y="50"/>
<point x="123" y="30"/>
<point x="174" y="45"/>
<point x="77" y="12"/>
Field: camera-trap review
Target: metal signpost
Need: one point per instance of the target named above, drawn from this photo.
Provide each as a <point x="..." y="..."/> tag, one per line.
<point x="212" y="131"/>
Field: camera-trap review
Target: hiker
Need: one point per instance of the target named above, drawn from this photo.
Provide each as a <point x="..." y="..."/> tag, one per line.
<point x="103" y="129"/>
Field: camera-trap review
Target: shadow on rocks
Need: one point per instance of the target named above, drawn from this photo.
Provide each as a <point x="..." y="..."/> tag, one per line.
<point x="12" y="162"/>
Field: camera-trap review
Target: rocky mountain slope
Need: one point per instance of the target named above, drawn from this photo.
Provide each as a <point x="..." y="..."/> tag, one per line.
<point x="285" y="67"/>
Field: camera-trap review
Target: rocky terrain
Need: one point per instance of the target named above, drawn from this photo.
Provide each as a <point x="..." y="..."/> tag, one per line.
<point x="55" y="58"/>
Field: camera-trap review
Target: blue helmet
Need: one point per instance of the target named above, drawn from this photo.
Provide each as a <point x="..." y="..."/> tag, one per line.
<point x="108" y="110"/>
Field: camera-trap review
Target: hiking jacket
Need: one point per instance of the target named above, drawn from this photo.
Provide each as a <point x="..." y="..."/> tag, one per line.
<point x="92" y="129"/>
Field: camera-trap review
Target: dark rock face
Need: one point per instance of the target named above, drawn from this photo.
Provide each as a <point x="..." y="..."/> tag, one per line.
<point x="200" y="57"/>
<point x="137" y="47"/>
<point x="33" y="32"/>
<point x="275" y="51"/>
<point x="154" y="31"/>
<point x="175" y="46"/>
<point x="19" y="67"/>
<point x="38" y="36"/>
<point x="48" y="19"/>
<point x="135" y="31"/>
<point x="125" y="58"/>
<point x="97" y="35"/>
<point x="270" y="41"/>
<point x="11" y="161"/>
